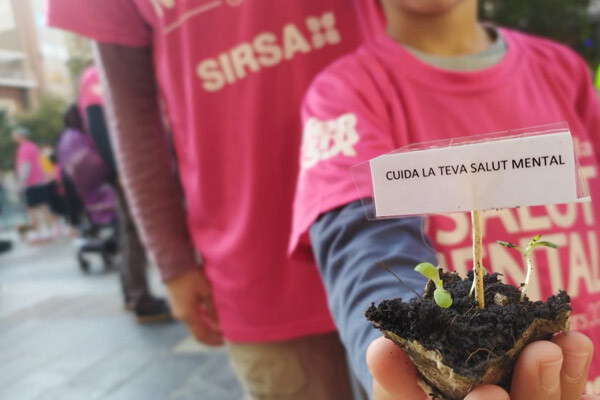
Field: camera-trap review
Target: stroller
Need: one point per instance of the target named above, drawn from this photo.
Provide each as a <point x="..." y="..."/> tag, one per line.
<point x="85" y="170"/>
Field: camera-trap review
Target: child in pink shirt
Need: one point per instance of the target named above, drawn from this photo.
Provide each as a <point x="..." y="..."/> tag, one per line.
<point x="436" y="73"/>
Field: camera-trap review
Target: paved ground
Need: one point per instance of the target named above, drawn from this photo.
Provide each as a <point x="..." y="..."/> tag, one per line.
<point x="64" y="335"/>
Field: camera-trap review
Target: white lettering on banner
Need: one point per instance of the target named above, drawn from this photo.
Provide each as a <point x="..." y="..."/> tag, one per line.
<point x="581" y="272"/>
<point x="322" y="140"/>
<point x="587" y="320"/>
<point x="529" y="223"/>
<point x="588" y="173"/>
<point x="267" y="50"/>
<point x="462" y="228"/>
<point x="562" y="220"/>
<point x="579" y="267"/>
<point x="552" y="261"/>
<point x="507" y="218"/>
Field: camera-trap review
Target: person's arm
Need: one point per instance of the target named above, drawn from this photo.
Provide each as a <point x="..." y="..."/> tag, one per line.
<point x="348" y="249"/>
<point x="345" y="245"/>
<point x="132" y="104"/>
<point x="22" y="174"/>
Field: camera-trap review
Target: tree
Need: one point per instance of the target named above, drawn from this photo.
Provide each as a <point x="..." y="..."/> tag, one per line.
<point x="7" y="147"/>
<point x="565" y="21"/>
<point x="45" y="124"/>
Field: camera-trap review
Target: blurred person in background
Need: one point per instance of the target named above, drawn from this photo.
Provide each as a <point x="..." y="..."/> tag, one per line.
<point x="34" y="186"/>
<point x="231" y="75"/>
<point x="134" y="259"/>
<point x="86" y="171"/>
<point x="56" y="193"/>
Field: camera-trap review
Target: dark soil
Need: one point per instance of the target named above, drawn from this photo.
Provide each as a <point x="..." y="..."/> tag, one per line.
<point x="465" y="336"/>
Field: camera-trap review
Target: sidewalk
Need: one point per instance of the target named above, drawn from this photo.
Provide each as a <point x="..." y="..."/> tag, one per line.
<point x="64" y="335"/>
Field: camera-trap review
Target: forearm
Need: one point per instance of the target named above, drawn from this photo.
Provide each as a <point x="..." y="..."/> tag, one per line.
<point x="137" y="133"/>
<point x="23" y="174"/>
<point x="348" y="249"/>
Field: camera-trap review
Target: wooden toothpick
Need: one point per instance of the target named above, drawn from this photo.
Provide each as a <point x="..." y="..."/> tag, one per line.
<point x="477" y="256"/>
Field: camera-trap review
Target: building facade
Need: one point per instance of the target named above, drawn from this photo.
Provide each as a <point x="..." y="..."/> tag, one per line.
<point x="35" y="60"/>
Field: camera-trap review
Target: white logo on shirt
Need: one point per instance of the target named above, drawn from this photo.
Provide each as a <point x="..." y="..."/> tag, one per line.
<point x="323" y="30"/>
<point x="267" y="49"/>
<point x="322" y="140"/>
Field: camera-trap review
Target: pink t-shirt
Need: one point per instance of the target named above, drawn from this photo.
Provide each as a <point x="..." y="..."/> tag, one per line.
<point x="232" y="74"/>
<point x="28" y="152"/>
<point x="381" y="98"/>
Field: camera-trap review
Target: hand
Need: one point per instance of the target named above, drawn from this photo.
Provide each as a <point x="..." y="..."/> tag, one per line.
<point x="555" y="370"/>
<point x="191" y="301"/>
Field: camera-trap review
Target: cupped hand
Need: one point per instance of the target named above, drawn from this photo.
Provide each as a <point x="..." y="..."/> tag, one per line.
<point x="545" y="370"/>
<point x="191" y="301"/>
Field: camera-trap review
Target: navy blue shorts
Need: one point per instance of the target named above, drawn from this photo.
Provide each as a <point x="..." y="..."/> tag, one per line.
<point x="36" y="196"/>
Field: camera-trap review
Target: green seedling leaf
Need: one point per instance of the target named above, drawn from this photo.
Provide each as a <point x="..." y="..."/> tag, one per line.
<point x="547" y="244"/>
<point x="532" y="245"/>
<point x="429" y="271"/>
<point x="508" y="245"/>
<point x="442" y="297"/>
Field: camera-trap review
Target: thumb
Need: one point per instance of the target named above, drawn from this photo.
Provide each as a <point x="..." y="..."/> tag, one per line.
<point x="394" y="375"/>
<point x="488" y="392"/>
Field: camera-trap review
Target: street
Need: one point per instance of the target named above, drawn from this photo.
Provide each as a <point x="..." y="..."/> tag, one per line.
<point x="65" y="335"/>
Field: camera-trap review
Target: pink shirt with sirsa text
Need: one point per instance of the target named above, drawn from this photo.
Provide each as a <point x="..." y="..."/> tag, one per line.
<point x="232" y="74"/>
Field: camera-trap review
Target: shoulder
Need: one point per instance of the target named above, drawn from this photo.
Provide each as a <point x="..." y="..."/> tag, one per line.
<point x="347" y="79"/>
<point x="352" y="69"/>
<point x="550" y="54"/>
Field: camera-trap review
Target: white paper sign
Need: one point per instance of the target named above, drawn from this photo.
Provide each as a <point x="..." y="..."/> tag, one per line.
<point x="503" y="173"/>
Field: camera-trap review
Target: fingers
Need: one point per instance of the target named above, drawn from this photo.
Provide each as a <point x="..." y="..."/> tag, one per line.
<point x="191" y="301"/>
<point x="577" y="350"/>
<point x="488" y="392"/>
<point x="553" y="370"/>
<point x="537" y="373"/>
<point x="208" y="310"/>
<point x="204" y="333"/>
<point x="203" y="323"/>
<point x="393" y="372"/>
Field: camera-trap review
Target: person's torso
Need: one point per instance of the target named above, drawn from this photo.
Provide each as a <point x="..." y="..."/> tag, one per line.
<point x="519" y="92"/>
<point x="27" y="152"/>
<point x="232" y="74"/>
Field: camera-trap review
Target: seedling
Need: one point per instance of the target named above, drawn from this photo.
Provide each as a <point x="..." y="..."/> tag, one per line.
<point x="474" y="282"/>
<point x="533" y="244"/>
<point x="442" y="297"/>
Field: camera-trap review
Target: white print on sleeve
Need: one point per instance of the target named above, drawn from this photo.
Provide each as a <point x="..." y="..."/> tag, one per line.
<point x="326" y="139"/>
